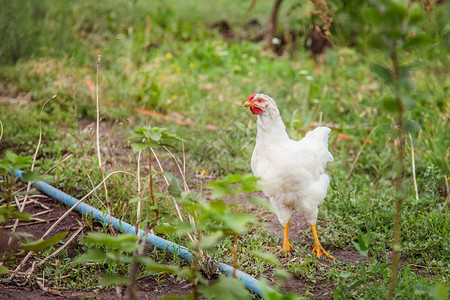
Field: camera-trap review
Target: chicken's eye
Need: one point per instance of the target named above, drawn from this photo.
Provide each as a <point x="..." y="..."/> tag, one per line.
<point x="259" y="100"/>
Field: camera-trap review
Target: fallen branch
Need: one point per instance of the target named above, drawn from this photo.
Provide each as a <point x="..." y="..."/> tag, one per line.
<point x="32" y="223"/>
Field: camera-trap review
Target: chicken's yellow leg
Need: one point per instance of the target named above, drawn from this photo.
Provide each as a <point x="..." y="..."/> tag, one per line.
<point x="286" y="245"/>
<point x="317" y="247"/>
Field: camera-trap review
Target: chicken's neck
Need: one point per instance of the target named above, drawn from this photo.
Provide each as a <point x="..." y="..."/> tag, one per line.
<point x="270" y="127"/>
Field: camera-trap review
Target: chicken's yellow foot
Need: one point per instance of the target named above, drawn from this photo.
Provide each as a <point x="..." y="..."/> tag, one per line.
<point x="317" y="247"/>
<point x="286" y="245"/>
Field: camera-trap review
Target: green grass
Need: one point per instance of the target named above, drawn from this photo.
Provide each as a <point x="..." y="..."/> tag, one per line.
<point x="196" y="73"/>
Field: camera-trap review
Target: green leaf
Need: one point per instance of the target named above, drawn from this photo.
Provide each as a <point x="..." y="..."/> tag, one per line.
<point x="91" y="254"/>
<point x="11" y="157"/>
<point x="440" y="292"/>
<point x="43" y="244"/>
<point x="183" y="227"/>
<point x="121" y="240"/>
<point x="218" y="189"/>
<point x="416" y="15"/>
<point x="263" y="202"/>
<point x="282" y="274"/>
<point x="18" y="235"/>
<point x="173" y="298"/>
<point x="128" y="247"/>
<point x="3" y="270"/>
<point x="125" y="242"/>
<point x="192" y="197"/>
<point x="419" y="40"/>
<point x="165" y="228"/>
<point x="267" y="257"/>
<point x="161" y="268"/>
<point x="215" y="207"/>
<point x="395" y="10"/>
<point x="364" y="241"/>
<point x="145" y="137"/>
<point x="227" y="288"/>
<point x="13" y="162"/>
<point x="383" y="72"/>
<point x="10" y="213"/>
<point x="125" y="238"/>
<point x="139" y="146"/>
<point x="238" y="223"/>
<point x="23" y="216"/>
<point x="411" y="127"/>
<point x="137" y="199"/>
<point x="113" y="279"/>
<point x="175" y="188"/>
<point x="155" y="135"/>
<point x="30" y="176"/>
<point x="372" y="16"/>
<point x="380" y="42"/>
<point x="389" y="103"/>
<point x="209" y="242"/>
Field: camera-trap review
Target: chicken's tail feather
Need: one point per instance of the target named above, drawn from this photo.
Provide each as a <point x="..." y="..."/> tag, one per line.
<point x="318" y="140"/>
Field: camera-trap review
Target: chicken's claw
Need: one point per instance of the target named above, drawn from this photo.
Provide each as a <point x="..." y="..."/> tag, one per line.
<point x="318" y="249"/>
<point x="287" y="246"/>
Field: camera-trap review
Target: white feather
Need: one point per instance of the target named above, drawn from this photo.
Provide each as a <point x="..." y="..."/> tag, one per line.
<point x="292" y="173"/>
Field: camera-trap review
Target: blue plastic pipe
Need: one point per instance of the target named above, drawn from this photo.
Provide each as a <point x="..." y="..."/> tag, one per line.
<point x="250" y="282"/>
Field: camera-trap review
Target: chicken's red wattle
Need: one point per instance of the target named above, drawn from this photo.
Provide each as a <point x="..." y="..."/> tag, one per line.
<point x="256" y="110"/>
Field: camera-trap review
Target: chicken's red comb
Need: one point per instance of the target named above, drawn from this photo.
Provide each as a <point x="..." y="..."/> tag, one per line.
<point x="250" y="98"/>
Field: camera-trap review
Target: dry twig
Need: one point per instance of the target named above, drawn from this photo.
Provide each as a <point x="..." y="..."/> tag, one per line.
<point x="99" y="157"/>
<point x="1" y="130"/>
<point x="413" y="167"/>
<point x="72" y="237"/>
<point x="359" y="153"/>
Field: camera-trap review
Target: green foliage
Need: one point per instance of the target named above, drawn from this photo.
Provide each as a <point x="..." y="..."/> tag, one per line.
<point x="42" y="244"/>
<point x="227" y="288"/>
<point x="110" y="249"/>
<point x="12" y="163"/>
<point x="234" y="184"/>
<point x="22" y="23"/>
<point x="124" y="242"/>
<point x="110" y="279"/>
<point x="364" y="241"/>
<point x="146" y="137"/>
<point x="267" y="257"/>
<point x="9" y="213"/>
<point x="3" y="270"/>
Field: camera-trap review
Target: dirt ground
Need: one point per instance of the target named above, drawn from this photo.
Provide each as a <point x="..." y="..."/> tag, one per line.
<point x="46" y="211"/>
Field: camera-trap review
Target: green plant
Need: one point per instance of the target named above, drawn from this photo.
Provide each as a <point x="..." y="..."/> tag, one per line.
<point x="9" y="165"/>
<point x="364" y="241"/>
<point x="216" y="218"/>
<point x="396" y="29"/>
<point x="147" y="138"/>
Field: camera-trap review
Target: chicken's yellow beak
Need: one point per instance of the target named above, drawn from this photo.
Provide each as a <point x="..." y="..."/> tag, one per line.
<point x="248" y="104"/>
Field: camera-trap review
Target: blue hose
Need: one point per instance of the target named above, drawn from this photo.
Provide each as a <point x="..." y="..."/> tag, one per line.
<point x="251" y="283"/>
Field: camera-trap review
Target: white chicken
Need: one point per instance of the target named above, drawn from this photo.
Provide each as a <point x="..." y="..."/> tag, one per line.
<point x="292" y="173"/>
